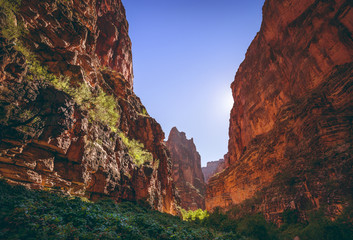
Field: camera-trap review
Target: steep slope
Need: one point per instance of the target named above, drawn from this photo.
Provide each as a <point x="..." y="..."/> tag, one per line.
<point x="212" y="168"/>
<point x="69" y="117"/>
<point x="291" y="124"/>
<point x="187" y="174"/>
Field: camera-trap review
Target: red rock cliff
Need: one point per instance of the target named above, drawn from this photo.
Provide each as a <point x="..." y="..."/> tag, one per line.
<point x="213" y="168"/>
<point x="291" y="124"/>
<point x="187" y="174"/>
<point x="48" y="137"/>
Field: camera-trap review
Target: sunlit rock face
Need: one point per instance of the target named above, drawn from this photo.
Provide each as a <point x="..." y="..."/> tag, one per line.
<point x="187" y="174"/>
<point x="290" y="129"/>
<point x="213" y="168"/>
<point x="46" y="140"/>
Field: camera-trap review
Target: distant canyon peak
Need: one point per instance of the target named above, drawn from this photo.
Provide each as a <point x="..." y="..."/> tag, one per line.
<point x="187" y="173"/>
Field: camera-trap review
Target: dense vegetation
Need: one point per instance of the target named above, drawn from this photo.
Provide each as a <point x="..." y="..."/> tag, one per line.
<point x="28" y="214"/>
<point x="319" y="227"/>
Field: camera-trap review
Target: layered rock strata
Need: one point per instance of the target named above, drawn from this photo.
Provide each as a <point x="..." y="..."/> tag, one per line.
<point x="290" y="136"/>
<point x="213" y="168"/>
<point x="49" y="140"/>
<point x="187" y="174"/>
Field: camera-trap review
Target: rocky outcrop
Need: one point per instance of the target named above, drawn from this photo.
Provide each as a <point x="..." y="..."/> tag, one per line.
<point x="212" y="168"/>
<point x="290" y="136"/>
<point x="187" y="174"/>
<point x="49" y="137"/>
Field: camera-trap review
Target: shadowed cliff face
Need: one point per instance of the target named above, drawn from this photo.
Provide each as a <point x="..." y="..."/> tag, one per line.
<point x="47" y="139"/>
<point x="291" y="125"/>
<point x="213" y="168"/>
<point x="187" y="174"/>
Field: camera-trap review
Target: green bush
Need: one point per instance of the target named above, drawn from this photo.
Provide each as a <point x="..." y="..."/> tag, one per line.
<point x="215" y="219"/>
<point x="320" y="227"/>
<point x="101" y="107"/>
<point x="190" y="215"/>
<point x="290" y="216"/>
<point x="137" y="150"/>
<point x="256" y="227"/>
<point x="10" y="29"/>
<point x="144" y="112"/>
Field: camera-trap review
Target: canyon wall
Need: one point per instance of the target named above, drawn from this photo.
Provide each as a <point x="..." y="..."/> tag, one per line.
<point x="290" y="135"/>
<point x="213" y="168"/>
<point x="70" y="120"/>
<point x="187" y="174"/>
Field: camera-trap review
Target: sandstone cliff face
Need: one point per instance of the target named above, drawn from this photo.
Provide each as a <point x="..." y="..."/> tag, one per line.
<point x="47" y="139"/>
<point x="187" y="174"/>
<point x="213" y="168"/>
<point x="291" y="125"/>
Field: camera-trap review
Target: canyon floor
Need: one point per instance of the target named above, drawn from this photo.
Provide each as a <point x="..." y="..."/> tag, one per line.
<point x="29" y="214"/>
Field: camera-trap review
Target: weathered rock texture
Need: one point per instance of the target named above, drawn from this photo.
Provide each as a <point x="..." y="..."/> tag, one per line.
<point x="187" y="174"/>
<point x="291" y="124"/>
<point x="213" y="168"/>
<point x="46" y="139"/>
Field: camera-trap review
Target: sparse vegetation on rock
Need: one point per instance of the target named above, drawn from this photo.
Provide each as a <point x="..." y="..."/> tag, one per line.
<point x="137" y="150"/>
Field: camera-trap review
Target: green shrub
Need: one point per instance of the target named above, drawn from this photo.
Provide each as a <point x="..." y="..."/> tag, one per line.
<point x="215" y="219"/>
<point x="136" y="150"/>
<point x="101" y="107"/>
<point x="190" y="215"/>
<point x="144" y="112"/>
<point x="256" y="227"/>
<point x="320" y="227"/>
<point x="251" y="226"/>
<point x="290" y="216"/>
<point x="10" y="29"/>
<point x="105" y="109"/>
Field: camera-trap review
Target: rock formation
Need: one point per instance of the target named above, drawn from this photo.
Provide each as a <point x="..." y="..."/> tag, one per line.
<point x="290" y="136"/>
<point x="213" y="168"/>
<point x="53" y="54"/>
<point x="187" y="174"/>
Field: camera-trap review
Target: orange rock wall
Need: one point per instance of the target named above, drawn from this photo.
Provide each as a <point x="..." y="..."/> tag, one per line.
<point x="291" y="114"/>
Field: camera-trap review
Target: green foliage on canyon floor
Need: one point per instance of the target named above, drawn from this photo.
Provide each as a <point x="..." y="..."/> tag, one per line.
<point x="197" y="215"/>
<point x="28" y="214"/>
<point x="255" y="226"/>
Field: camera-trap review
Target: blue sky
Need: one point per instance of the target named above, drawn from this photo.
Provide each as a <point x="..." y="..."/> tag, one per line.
<point x="185" y="56"/>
